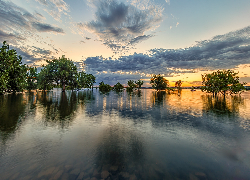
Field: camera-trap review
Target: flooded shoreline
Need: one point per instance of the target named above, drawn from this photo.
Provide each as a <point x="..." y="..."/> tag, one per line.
<point x="146" y="135"/>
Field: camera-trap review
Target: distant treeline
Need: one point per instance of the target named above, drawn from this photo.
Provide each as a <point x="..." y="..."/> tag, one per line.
<point x="62" y="72"/>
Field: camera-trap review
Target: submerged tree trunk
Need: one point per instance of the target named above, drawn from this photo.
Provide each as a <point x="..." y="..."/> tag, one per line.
<point x="63" y="87"/>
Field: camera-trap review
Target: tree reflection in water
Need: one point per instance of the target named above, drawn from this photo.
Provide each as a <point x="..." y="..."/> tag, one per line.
<point x="153" y="135"/>
<point x="222" y="106"/>
<point x="11" y="112"/>
<point x="158" y="97"/>
<point x="59" y="107"/>
<point x="135" y="93"/>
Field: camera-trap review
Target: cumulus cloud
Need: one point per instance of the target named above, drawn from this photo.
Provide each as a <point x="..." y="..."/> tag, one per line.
<point x="118" y="24"/>
<point x="133" y="63"/>
<point x="220" y="52"/>
<point x="55" y="8"/>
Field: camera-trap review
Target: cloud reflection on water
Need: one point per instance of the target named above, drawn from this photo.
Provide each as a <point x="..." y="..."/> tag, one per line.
<point x="141" y="134"/>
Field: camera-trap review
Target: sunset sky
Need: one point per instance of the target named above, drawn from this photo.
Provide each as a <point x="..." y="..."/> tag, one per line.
<point x="120" y="40"/>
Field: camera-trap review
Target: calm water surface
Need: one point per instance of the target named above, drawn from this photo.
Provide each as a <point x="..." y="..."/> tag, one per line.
<point x="143" y="135"/>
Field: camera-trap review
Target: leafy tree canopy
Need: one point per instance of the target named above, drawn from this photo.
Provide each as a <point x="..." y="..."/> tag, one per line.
<point x="63" y="71"/>
<point x="131" y="86"/>
<point x="134" y="84"/>
<point x="31" y="78"/>
<point x="12" y="72"/>
<point x="158" y="82"/>
<point x="86" y="80"/>
<point x="139" y="83"/>
<point x="104" y="88"/>
<point x="222" y="81"/>
<point x="118" y="87"/>
<point x="45" y="79"/>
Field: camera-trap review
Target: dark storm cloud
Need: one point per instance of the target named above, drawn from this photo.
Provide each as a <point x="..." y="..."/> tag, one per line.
<point x="41" y="27"/>
<point x="119" y="25"/>
<point x="221" y="52"/>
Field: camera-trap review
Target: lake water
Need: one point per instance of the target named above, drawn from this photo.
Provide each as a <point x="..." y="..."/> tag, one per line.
<point x="142" y="135"/>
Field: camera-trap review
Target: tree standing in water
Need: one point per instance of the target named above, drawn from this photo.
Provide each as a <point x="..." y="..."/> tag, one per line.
<point x="139" y="83"/>
<point x="45" y="79"/>
<point x="158" y="82"/>
<point x="118" y="87"/>
<point x="31" y="78"/>
<point x="86" y="80"/>
<point x="62" y="71"/>
<point x="131" y="86"/>
<point x="12" y="72"/>
<point x="222" y="81"/>
<point x="104" y="88"/>
<point x="178" y="85"/>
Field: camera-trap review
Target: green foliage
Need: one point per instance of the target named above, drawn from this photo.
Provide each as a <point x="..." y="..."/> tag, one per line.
<point x="31" y="78"/>
<point x="222" y="82"/>
<point x="12" y="73"/>
<point x="131" y="86"/>
<point x="15" y="77"/>
<point x="104" y="88"/>
<point x="118" y="87"/>
<point x="134" y="84"/>
<point x="45" y="79"/>
<point x="63" y="71"/>
<point x="158" y="82"/>
<point x="86" y="80"/>
<point x="3" y="82"/>
<point x="139" y="83"/>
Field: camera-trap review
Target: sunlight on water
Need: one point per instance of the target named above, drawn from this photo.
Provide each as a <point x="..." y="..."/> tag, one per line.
<point x="141" y="135"/>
